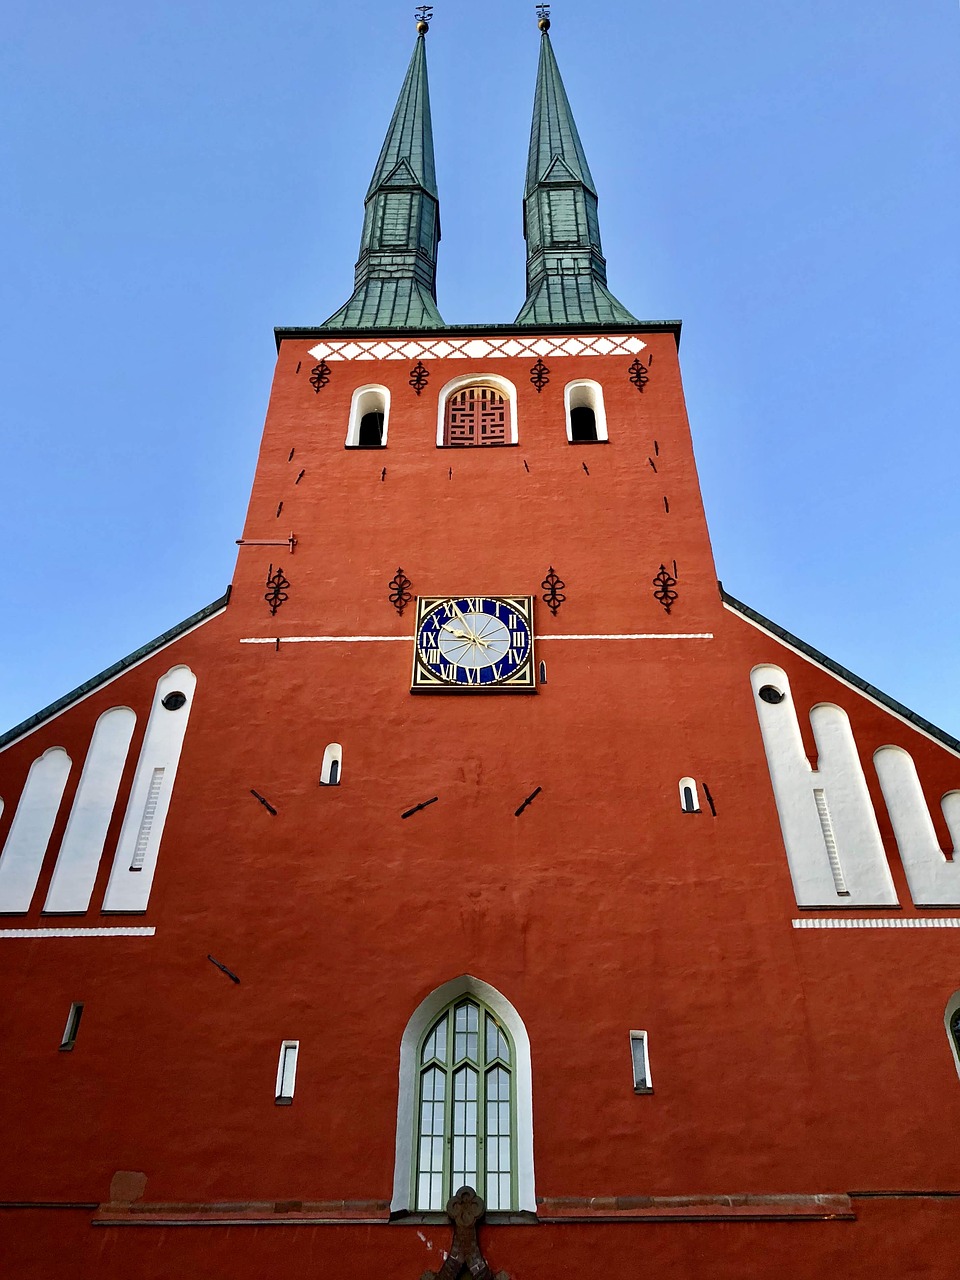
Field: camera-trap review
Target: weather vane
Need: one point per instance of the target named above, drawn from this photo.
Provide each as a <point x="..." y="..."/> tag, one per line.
<point x="424" y="16"/>
<point x="543" y="17"/>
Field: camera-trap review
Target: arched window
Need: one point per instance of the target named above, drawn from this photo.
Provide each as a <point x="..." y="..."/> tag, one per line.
<point x="475" y="415"/>
<point x="465" y="1107"/>
<point x="332" y="765"/>
<point x="369" y="414"/>
<point x="466" y="1116"/>
<point x="586" y="417"/>
<point x="477" y="409"/>
<point x="689" y="799"/>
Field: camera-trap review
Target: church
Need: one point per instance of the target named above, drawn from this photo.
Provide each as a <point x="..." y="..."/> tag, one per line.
<point x="477" y="888"/>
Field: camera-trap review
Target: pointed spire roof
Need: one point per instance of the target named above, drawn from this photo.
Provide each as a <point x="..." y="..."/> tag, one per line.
<point x="566" y="270"/>
<point x="553" y="134"/>
<point x="409" y="140"/>
<point x="396" y="273"/>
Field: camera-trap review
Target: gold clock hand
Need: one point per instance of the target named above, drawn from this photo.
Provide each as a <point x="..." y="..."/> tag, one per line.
<point x="468" y="637"/>
<point x="454" y="606"/>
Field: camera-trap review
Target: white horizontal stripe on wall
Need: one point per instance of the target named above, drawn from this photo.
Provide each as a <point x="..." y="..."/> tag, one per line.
<point x="31" y="828"/>
<point x="912" y="922"/>
<point x="145" y="931"/>
<point x="79" y="858"/>
<point x="651" y="635"/>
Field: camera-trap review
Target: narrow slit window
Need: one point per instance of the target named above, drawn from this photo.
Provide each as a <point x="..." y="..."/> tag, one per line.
<point x="287" y="1072"/>
<point x="73" y="1026"/>
<point x="640" y="1057"/>
<point x="332" y="766"/>
<point x="689" y="797"/>
<point x="543" y="673"/>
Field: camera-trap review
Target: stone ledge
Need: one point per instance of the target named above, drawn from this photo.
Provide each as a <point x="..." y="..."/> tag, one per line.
<point x="693" y="1208"/>
<point x="551" y="1210"/>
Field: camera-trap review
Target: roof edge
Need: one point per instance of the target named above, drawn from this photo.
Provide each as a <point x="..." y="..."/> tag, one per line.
<point x="283" y="333"/>
<point x="837" y="669"/>
<point x="81" y="691"/>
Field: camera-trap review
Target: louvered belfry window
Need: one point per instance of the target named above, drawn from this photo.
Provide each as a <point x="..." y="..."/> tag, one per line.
<point x="475" y="416"/>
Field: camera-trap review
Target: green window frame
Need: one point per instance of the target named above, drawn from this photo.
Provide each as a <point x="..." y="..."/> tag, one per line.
<point x="466" y="1113"/>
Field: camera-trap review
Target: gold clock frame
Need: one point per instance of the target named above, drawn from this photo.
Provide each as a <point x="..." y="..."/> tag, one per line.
<point x="425" y="680"/>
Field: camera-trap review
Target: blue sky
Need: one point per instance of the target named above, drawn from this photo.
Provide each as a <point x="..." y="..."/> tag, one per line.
<point x="783" y="177"/>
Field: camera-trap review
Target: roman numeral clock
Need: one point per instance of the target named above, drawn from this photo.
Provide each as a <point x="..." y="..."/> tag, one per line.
<point x="474" y="644"/>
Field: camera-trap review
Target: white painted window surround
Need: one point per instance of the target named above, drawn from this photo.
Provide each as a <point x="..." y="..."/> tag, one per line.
<point x="833" y="843"/>
<point x="689" y="796"/>
<point x="135" y="861"/>
<point x="503" y="385"/>
<point x="421" y="1020"/>
<point x="371" y="398"/>
<point x="934" y="880"/>
<point x="287" y="1072"/>
<point x="331" y="771"/>
<point x="585" y="394"/>
<point x="640" y="1060"/>
<point x="79" y="859"/>
<point x="31" y="829"/>
<point x="953" y="1005"/>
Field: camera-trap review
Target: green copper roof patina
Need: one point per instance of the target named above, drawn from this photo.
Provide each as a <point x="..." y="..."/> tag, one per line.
<point x="396" y="273"/>
<point x="566" y="269"/>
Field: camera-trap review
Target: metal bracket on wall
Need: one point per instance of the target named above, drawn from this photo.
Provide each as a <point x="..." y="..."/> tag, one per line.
<point x="290" y="542"/>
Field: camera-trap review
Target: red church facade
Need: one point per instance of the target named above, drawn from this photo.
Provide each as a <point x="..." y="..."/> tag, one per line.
<point x="659" y="953"/>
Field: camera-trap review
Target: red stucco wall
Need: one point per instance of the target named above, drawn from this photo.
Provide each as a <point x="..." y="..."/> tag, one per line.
<point x="783" y="1061"/>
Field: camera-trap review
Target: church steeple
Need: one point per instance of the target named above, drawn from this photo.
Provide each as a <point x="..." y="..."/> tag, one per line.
<point x="566" y="270"/>
<point x="395" y="282"/>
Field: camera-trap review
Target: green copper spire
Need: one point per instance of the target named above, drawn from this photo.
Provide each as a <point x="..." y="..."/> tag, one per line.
<point x="566" y="269"/>
<point x="396" y="274"/>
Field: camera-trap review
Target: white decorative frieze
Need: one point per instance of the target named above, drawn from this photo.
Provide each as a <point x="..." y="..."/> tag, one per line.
<point x="477" y="348"/>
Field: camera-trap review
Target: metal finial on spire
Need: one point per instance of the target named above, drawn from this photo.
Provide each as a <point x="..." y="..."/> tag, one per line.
<point x="543" y="17"/>
<point x="424" y="16"/>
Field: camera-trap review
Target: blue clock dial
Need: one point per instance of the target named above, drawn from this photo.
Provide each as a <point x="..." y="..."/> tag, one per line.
<point x="474" y="642"/>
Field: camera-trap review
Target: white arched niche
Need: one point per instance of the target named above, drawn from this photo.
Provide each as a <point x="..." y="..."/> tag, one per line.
<point x="584" y="394"/>
<point x="503" y="385"/>
<point x="689" y="796"/>
<point x="423" y="1016"/>
<point x="331" y="770"/>
<point x="953" y="1004"/>
<point x="369" y="399"/>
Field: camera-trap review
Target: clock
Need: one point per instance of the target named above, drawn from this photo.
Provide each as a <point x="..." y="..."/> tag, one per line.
<point x="474" y="644"/>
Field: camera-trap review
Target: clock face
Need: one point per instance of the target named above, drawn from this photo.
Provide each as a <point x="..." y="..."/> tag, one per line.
<point x="474" y="644"/>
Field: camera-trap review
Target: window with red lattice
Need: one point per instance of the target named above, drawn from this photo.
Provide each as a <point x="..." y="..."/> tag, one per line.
<point x="475" y="416"/>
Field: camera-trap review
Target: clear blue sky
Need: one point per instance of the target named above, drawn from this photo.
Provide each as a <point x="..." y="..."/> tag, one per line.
<point x="178" y="178"/>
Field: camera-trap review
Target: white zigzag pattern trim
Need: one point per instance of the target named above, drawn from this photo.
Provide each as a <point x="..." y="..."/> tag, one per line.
<point x="912" y="922"/>
<point x="146" y="931"/>
<point x="476" y="348"/>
